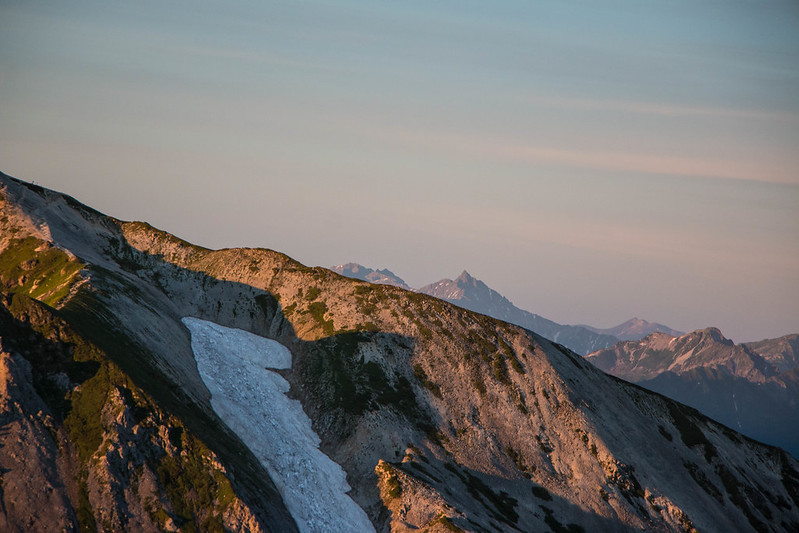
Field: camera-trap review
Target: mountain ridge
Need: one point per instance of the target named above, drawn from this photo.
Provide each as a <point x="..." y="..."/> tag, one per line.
<point x="471" y="293"/>
<point x="659" y="352"/>
<point x="730" y="382"/>
<point x="634" y="329"/>
<point x="440" y="417"/>
<point x="782" y="352"/>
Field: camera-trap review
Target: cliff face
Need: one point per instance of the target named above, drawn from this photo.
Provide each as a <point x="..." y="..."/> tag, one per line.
<point x="29" y="455"/>
<point x="441" y="417"/>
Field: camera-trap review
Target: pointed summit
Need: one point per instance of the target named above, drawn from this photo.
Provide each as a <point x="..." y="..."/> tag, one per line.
<point x="466" y="280"/>
<point x="470" y="293"/>
<point x="465" y="276"/>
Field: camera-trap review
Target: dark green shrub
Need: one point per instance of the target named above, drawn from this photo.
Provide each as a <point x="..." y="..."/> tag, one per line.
<point x="501" y="371"/>
<point x="421" y="376"/>
<point x="318" y="310"/>
<point x="545" y="447"/>
<point x="313" y="293"/>
<point x="362" y="290"/>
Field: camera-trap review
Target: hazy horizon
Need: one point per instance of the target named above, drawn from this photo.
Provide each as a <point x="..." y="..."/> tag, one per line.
<point x="591" y="161"/>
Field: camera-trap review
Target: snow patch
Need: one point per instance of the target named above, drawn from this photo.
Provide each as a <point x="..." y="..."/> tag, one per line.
<point x="252" y="402"/>
<point x="209" y="337"/>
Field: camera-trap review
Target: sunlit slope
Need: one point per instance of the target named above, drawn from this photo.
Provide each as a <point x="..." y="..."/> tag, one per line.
<point x="441" y="417"/>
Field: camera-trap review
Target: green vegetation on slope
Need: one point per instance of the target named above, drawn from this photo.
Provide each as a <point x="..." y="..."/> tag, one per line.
<point x="197" y="490"/>
<point x="34" y="267"/>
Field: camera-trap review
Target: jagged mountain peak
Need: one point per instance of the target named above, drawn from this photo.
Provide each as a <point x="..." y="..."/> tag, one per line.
<point x="464" y="282"/>
<point x="708" y="371"/>
<point x="465" y="277"/>
<point x="473" y="294"/>
<point x="659" y="352"/>
<point x="712" y="335"/>
<point x="711" y="331"/>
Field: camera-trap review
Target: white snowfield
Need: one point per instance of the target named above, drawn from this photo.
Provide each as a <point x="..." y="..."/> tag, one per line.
<point x="252" y="402"/>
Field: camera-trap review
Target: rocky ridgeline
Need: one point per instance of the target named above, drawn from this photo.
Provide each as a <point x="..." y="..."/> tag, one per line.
<point x="442" y="418"/>
<point x="750" y="387"/>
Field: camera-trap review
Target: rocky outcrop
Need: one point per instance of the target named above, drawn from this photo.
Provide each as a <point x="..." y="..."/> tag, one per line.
<point x="29" y="458"/>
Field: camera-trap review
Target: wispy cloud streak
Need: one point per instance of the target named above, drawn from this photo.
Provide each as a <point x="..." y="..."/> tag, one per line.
<point x="667" y="109"/>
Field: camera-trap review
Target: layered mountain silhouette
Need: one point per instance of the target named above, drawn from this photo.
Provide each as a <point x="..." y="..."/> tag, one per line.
<point x="751" y="387"/>
<point x="441" y="419"/>
<point x="383" y="277"/>
<point x="634" y="329"/>
<point x="470" y="293"/>
<point x="731" y="383"/>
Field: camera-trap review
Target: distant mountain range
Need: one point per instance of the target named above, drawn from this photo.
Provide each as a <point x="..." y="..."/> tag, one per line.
<point x="634" y="329"/>
<point x="384" y="277"/>
<point x="751" y="387"/>
<point x="470" y="293"/>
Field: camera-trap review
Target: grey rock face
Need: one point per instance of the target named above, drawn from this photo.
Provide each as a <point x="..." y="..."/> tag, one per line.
<point x="29" y="456"/>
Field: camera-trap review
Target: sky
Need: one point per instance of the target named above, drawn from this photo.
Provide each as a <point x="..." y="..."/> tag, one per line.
<point x="590" y="160"/>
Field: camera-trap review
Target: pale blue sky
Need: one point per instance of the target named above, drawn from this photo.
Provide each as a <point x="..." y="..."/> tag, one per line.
<point x="592" y="161"/>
